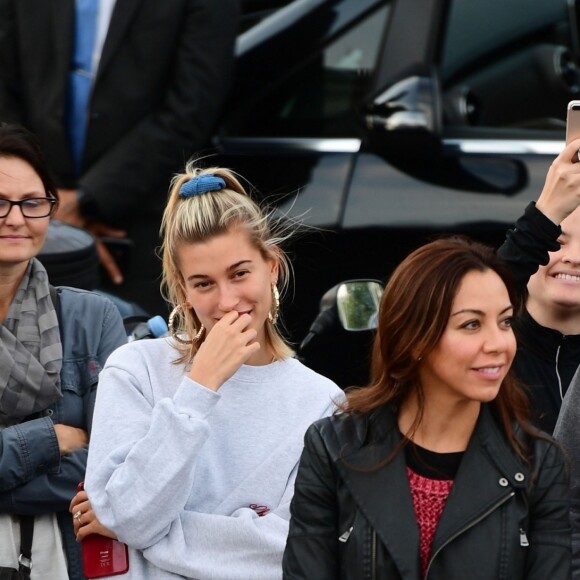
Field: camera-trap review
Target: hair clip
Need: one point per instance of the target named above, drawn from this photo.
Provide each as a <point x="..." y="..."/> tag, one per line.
<point x="201" y="184"/>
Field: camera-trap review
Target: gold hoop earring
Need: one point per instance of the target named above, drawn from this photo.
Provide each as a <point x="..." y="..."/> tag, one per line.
<point x="275" y="309"/>
<point x="199" y="334"/>
<point x="173" y="330"/>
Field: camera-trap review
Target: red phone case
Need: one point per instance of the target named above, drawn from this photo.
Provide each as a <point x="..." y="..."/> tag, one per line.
<point x="103" y="556"/>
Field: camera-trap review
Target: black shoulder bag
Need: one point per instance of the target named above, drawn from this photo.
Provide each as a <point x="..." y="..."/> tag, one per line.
<point x="25" y="558"/>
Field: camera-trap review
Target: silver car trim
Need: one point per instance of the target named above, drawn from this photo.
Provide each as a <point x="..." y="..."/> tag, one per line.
<point x="506" y="146"/>
<point x="350" y="145"/>
<point x="303" y="144"/>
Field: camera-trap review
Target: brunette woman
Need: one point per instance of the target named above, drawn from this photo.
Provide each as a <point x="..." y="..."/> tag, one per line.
<point x="433" y="471"/>
<point x="53" y="343"/>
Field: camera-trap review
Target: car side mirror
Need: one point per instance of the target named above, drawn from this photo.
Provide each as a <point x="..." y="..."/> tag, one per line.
<point x="403" y="125"/>
<point x="357" y="302"/>
<point x="405" y="117"/>
<point x="354" y="304"/>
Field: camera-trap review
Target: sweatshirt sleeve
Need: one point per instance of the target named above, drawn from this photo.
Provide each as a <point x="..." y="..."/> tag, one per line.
<point x="568" y="434"/>
<point x="239" y="546"/>
<point x="527" y="245"/>
<point x="143" y="453"/>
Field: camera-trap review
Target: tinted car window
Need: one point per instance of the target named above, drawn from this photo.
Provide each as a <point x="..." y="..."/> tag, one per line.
<point x="479" y="28"/>
<point x="320" y="98"/>
<point x="253" y="11"/>
<point x="508" y="65"/>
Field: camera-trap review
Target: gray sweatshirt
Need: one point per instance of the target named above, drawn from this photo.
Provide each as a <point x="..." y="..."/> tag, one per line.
<point x="199" y="483"/>
<point x="567" y="432"/>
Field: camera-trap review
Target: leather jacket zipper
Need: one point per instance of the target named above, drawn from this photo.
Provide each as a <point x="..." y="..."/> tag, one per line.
<point x="345" y="535"/>
<point x="467" y="527"/>
<point x="558" y="372"/>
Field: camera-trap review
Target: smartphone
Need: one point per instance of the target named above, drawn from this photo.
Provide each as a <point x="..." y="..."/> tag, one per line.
<point x="573" y="121"/>
<point x="103" y="556"/>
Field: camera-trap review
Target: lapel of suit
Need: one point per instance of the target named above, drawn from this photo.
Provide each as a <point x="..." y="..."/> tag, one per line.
<point x="62" y="27"/>
<point x="383" y="495"/>
<point x="485" y="480"/>
<point x="120" y="21"/>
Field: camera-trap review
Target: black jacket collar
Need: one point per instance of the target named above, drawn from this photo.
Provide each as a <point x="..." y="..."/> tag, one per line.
<point x="543" y="341"/>
<point x="489" y="473"/>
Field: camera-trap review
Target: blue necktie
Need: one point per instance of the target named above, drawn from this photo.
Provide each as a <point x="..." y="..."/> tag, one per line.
<point x="81" y="76"/>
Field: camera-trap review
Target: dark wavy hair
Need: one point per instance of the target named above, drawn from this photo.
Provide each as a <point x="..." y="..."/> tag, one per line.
<point x="414" y="313"/>
<point x="16" y="141"/>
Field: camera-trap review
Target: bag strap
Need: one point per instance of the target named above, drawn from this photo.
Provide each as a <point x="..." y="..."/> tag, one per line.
<point x="26" y="533"/>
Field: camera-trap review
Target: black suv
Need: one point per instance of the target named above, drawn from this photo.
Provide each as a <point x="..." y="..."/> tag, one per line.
<point x="385" y="122"/>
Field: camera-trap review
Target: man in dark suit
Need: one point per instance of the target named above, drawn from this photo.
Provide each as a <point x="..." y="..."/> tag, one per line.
<point x="157" y="92"/>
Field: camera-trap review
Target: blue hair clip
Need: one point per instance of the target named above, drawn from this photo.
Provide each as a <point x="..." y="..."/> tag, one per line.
<point x="201" y="184"/>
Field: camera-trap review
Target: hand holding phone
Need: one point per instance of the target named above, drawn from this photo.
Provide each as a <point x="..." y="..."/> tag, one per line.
<point x="560" y="195"/>
<point x="103" y="556"/>
<point x="573" y="121"/>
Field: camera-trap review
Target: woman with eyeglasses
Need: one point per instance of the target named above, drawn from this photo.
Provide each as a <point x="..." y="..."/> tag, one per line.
<point x="53" y="343"/>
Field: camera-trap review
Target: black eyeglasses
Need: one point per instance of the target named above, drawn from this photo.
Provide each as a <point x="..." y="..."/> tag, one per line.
<point x="33" y="207"/>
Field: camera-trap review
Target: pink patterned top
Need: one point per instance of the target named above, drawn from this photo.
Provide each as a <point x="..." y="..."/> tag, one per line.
<point x="429" y="497"/>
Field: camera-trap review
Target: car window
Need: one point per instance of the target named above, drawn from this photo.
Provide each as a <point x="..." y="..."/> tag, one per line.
<point x="320" y="97"/>
<point x="508" y="64"/>
<point x="254" y="11"/>
<point x="478" y="28"/>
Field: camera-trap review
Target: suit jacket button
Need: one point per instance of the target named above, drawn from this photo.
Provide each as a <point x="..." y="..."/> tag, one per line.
<point x="503" y="481"/>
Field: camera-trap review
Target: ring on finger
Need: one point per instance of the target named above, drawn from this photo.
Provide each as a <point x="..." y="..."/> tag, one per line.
<point x="77" y="516"/>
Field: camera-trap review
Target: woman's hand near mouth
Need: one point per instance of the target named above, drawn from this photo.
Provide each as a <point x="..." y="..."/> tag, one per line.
<point x="228" y="345"/>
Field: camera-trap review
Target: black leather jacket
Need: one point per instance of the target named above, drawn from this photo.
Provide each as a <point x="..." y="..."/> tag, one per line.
<point x="351" y="521"/>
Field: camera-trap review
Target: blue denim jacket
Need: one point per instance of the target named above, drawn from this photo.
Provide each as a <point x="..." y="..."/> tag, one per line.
<point x="34" y="478"/>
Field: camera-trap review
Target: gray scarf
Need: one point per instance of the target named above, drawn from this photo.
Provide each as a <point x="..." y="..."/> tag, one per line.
<point x="30" y="350"/>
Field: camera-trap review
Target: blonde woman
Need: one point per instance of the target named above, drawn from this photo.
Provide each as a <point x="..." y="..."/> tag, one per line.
<point x="197" y="437"/>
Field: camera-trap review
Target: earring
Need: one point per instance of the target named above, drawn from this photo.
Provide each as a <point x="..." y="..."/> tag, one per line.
<point x="173" y="331"/>
<point x="199" y="333"/>
<point x="275" y="309"/>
